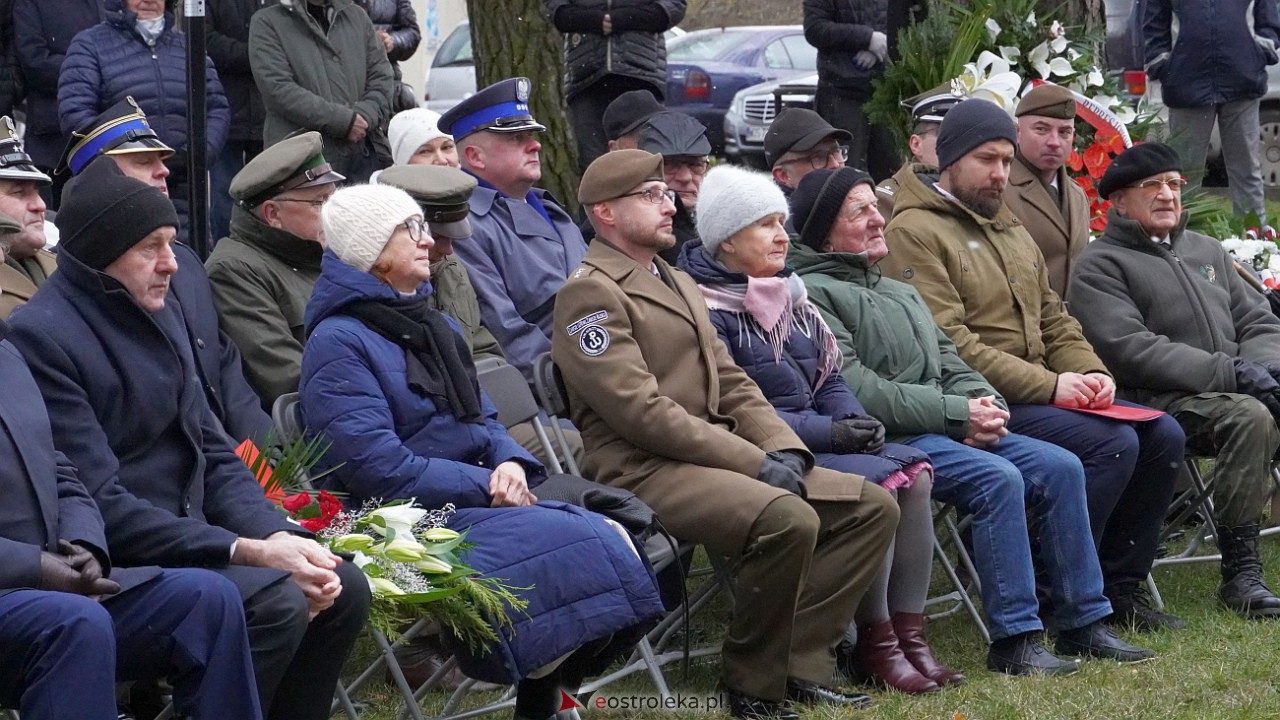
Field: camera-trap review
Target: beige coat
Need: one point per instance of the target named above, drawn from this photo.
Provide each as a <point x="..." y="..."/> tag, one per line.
<point x="660" y="404"/>
<point x="16" y="288"/>
<point x="986" y="284"/>
<point x="1060" y="235"/>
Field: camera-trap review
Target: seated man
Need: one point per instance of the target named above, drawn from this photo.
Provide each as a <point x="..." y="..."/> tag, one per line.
<point x="262" y="273"/>
<point x="906" y="373"/>
<point x="1183" y="332"/>
<point x="123" y="137"/>
<point x="798" y="142"/>
<point x="71" y="625"/>
<point x="110" y="351"/>
<point x="927" y="110"/>
<point x="625" y="116"/>
<point x="27" y="264"/>
<point x="984" y="279"/>
<point x="665" y="413"/>
<point x="523" y="244"/>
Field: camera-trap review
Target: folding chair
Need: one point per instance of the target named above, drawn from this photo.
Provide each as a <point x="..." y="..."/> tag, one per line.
<point x="959" y="595"/>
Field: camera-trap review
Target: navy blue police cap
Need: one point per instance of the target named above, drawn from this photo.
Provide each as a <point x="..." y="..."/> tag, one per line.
<point x="121" y="129"/>
<point x="502" y="107"/>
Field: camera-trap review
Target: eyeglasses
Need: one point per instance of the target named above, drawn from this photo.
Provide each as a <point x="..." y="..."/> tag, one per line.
<point x="1153" y="185"/>
<point x="696" y="165"/>
<point x="654" y="195"/>
<point x="417" y="228"/>
<point x="819" y="159"/>
<point x="312" y="203"/>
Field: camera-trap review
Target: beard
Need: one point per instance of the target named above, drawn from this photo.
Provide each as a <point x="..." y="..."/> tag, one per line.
<point x="647" y="236"/>
<point x="975" y="200"/>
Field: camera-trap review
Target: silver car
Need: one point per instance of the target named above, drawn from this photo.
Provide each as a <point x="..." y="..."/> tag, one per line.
<point x="753" y="110"/>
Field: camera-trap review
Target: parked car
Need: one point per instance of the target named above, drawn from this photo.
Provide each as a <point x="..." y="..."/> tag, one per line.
<point x="452" y="76"/>
<point x="706" y="68"/>
<point x="753" y="110"/>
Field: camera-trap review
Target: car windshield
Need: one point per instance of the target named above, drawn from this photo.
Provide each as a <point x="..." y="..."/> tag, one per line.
<point x="706" y="47"/>
<point x="456" y="49"/>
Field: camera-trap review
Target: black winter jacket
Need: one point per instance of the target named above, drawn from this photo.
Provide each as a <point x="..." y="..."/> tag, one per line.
<point x="42" y="33"/>
<point x="841" y="28"/>
<point x="635" y="48"/>
<point x="1220" y="52"/>
<point x="227" y="35"/>
<point x="397" y="19"/>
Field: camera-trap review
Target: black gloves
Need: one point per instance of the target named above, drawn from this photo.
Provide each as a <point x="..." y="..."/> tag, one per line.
<point x="862" y="434"/>
<point x="1254" y="379"/>
<point x="75" y="570"/>
<point x="784" y="470"/>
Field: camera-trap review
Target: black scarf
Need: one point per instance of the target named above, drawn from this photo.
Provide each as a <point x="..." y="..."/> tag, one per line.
<point x="437" y="359"/>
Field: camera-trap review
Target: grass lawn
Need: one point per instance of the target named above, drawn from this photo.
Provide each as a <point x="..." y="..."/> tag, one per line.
<point x="1220" y="667"/>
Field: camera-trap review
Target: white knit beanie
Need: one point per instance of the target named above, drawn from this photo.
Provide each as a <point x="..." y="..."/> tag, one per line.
<point x="411" y="129"/>
<point x="732" y="198"/>
<point x="359" y="220"/>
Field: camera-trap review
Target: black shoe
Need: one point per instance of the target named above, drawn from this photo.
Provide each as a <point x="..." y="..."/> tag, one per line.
<point x="1024" y="655"/>
<point x="1096" y="640"/>
<point x="742" y="705"/>
<point x="1131" y="608"/>
<point x="803" y="692"/>
<point x="1242" y="588"/>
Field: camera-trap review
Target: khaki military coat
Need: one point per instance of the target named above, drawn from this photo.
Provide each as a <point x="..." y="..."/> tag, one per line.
<point x="1060" y="233"/>
<point x="662" y="408"/>
<point x="16" y="287"/>
<point x="985" y="282"/>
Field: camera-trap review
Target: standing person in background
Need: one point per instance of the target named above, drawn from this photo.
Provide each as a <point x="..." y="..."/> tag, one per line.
<point x="1211" y="60"/>
<point x="396" y="26"/>
<point x="610" y="47"/>
<point x="42" y="32"/>
<point x="320" y="66"/>
<point x="138" y="53"/>
<point x="855" y="38"/>
<point x="227" y="35"/>
<point x="11" y="88"/>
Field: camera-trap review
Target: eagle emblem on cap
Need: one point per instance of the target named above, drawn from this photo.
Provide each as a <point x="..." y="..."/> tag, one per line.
<point x="8" y="125"/>
<point x="522" y="90"/>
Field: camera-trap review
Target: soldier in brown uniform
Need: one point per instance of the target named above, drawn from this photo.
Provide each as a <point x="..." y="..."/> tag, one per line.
<point x="665" y="413"/>
<point x="927" y="110"/>
<point x="1051" y="206"/>
<point x="25" y="264"/>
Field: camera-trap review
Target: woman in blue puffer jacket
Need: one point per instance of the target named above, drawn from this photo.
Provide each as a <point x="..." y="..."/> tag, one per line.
<point x="136" y="52"/>
<point x="389" y="382"/>
<point x="762" y="314"/>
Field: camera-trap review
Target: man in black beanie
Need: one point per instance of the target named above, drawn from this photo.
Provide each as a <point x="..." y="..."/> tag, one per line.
<point x="984" y="279"/>
<point x="108" y="346"/>
<point x="1183" y="332"/>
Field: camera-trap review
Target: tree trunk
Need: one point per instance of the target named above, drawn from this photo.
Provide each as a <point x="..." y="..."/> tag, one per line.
<point x="512" y="38"/>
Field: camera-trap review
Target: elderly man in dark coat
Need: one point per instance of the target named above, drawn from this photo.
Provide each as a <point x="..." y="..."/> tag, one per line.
<point x="70" y="623"/>
<point x="110" y="351"/>
<point x="665" y="413"/>
<point x="1165" y="309"/>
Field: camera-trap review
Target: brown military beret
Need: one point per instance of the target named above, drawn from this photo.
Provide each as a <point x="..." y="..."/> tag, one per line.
<point x="1048" y="100"/>
<point x="617" y="173"/>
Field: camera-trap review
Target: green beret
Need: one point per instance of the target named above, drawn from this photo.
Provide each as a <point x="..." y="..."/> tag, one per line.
<point x="442" y="193"/>
<point x="617" y="173"/>
<point x="295" y="162"/>
<point x="1048" y="100"/>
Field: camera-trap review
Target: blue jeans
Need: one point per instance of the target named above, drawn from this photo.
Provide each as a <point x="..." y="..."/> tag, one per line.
<point x="999" y="486"/>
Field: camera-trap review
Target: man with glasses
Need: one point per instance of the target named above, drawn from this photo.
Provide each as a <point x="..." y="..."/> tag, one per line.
<point x="1181" y="331"/>
<point x="1041" y="194"/>
<point x="682" y="142"/>
<point x="798" y="142"/>
<point x="985" y="282"/>
<point x="666" y="413"/>
<point x="263" y="272"/>
<point x="523" y="245"/>
<point x="927" y="111"/>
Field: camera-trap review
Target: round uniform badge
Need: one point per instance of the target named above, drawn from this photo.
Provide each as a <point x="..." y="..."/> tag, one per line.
<point x="594" y="340"/>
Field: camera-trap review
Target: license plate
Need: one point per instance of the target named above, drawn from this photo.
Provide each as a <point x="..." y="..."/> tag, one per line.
<point x="756" y="133"/>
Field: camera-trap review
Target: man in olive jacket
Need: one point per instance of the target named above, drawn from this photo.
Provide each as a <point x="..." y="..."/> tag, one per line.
<point x="262" y="274"/>
<point x="1183" y="332"/>
<point x="985" y="281"/>
<point x="320" y="66"/>
<point x="665" y="413"/>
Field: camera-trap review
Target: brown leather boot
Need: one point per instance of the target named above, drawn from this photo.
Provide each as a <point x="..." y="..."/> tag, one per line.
<point x="877" y="659"/>
<point x="909" y="627"/>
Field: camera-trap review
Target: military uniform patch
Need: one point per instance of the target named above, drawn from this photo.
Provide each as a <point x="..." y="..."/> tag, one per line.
<point x="594" y="341"/>
<point x="592" y="319"/>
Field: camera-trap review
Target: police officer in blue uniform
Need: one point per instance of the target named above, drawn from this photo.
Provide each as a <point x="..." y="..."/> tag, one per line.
<point x="523" y="244"/>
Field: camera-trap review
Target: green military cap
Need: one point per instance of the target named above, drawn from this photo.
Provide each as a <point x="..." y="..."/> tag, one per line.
<point x="932" y="105"/>
<point x="295" y="162"/>
<point x="1048" y="100"/>
<point x="442" y="193"/>
<point x="617" y="173"/>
